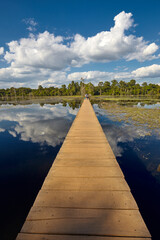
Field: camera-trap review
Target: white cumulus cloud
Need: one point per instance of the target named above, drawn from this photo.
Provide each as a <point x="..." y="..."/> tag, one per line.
<point x="97" y="76"/>
<point x="90" y="76"/>
<point x="114" y="44"/>
<point x="43" y="58"/>
<point x="48" y="51"/>
<point x="41" y="51"/>
<point x="152" y="71"/>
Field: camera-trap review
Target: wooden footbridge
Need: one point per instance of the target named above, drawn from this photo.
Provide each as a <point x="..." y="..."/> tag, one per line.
<point x="85" y="195"/>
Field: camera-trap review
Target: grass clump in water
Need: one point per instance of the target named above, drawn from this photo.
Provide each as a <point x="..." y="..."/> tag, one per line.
<point x="149" y="118"/>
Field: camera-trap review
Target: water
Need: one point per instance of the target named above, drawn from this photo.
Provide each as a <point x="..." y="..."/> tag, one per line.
<point x="30" y="138"/>
<point x="149" y="106"/>
<point x="139" y="157"/>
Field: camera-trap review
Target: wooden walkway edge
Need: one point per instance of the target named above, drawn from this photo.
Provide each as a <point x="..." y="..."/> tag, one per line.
<point x="85" y="195"/>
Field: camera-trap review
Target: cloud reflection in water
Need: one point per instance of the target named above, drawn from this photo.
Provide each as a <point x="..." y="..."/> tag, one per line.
<point x="141" y="140"/>
<point x="45" y="125"/>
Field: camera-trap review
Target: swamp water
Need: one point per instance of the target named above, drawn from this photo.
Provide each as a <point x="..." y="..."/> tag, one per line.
<point x="31" y="136"/>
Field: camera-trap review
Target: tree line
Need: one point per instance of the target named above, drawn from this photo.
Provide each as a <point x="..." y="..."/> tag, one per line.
<point x="113" y="88"/>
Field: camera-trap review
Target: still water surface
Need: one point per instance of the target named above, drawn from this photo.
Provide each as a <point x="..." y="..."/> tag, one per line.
<point x="30" y="138"/>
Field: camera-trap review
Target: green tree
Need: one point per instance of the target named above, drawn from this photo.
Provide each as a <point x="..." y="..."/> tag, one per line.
<point x="82" y="87"/>
<point x="89" y="88"/>
<point x="100" y="85"/>
<point x="114" y="87"/>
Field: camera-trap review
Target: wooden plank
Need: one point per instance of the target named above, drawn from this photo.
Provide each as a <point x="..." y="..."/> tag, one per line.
<point x="91" y="150"/>
<point x="88" y="137"/>
<point x="96" y="184"/>
<point x="85" y="155"/>
<point x="82" y="158"/>
<point x="49" y="213"/>
<point x="25" y="236"/>
<point x="86" y="199"/>
<point x="85" y="133"/>
<point x="85" y="172"/>
<point x="84" y="142"/>
<point x="71" y="162"/>
<point x="89" y="131"/>
<point x="90" y="145"/>
<point x="88" y="222"/>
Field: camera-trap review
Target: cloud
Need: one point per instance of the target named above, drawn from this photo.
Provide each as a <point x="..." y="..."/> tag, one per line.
<point x="19" y="77"/>
<point x="39" y="125"/>
<point x="89" y="76"/>
<point x="44" y="58"/>
<point x="12" y="133"/>
<point x="40" y="51"/>
<point x="114" y="44"/>
<point x="56" y="78"/>
<point x="2" y="130"/>
<point x="31" y="23"/>
<point x="96" y="76"/>
<point x="1" y="50"/>
<point x="24" y="76"/>
<point x="152" y="71"/>
<point x="124" y="133"/>
<point x="48" y="51"/>
<point x="143" y="52"/>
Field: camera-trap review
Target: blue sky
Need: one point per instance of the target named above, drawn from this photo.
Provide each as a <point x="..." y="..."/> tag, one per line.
<point x="53" y="42"/>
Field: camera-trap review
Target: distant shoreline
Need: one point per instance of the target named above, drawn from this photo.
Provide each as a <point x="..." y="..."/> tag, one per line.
<point x="57" y="99"/>
<point x="44" y="99"/>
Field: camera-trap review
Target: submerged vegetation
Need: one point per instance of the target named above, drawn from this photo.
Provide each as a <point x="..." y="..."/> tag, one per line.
<point x="113" y="88"/>
<point x="139" y="116"/>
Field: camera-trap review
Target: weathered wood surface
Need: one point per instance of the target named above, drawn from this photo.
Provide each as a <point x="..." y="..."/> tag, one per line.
<point x="23" y="236"/>
<point x="85" y="195"/>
